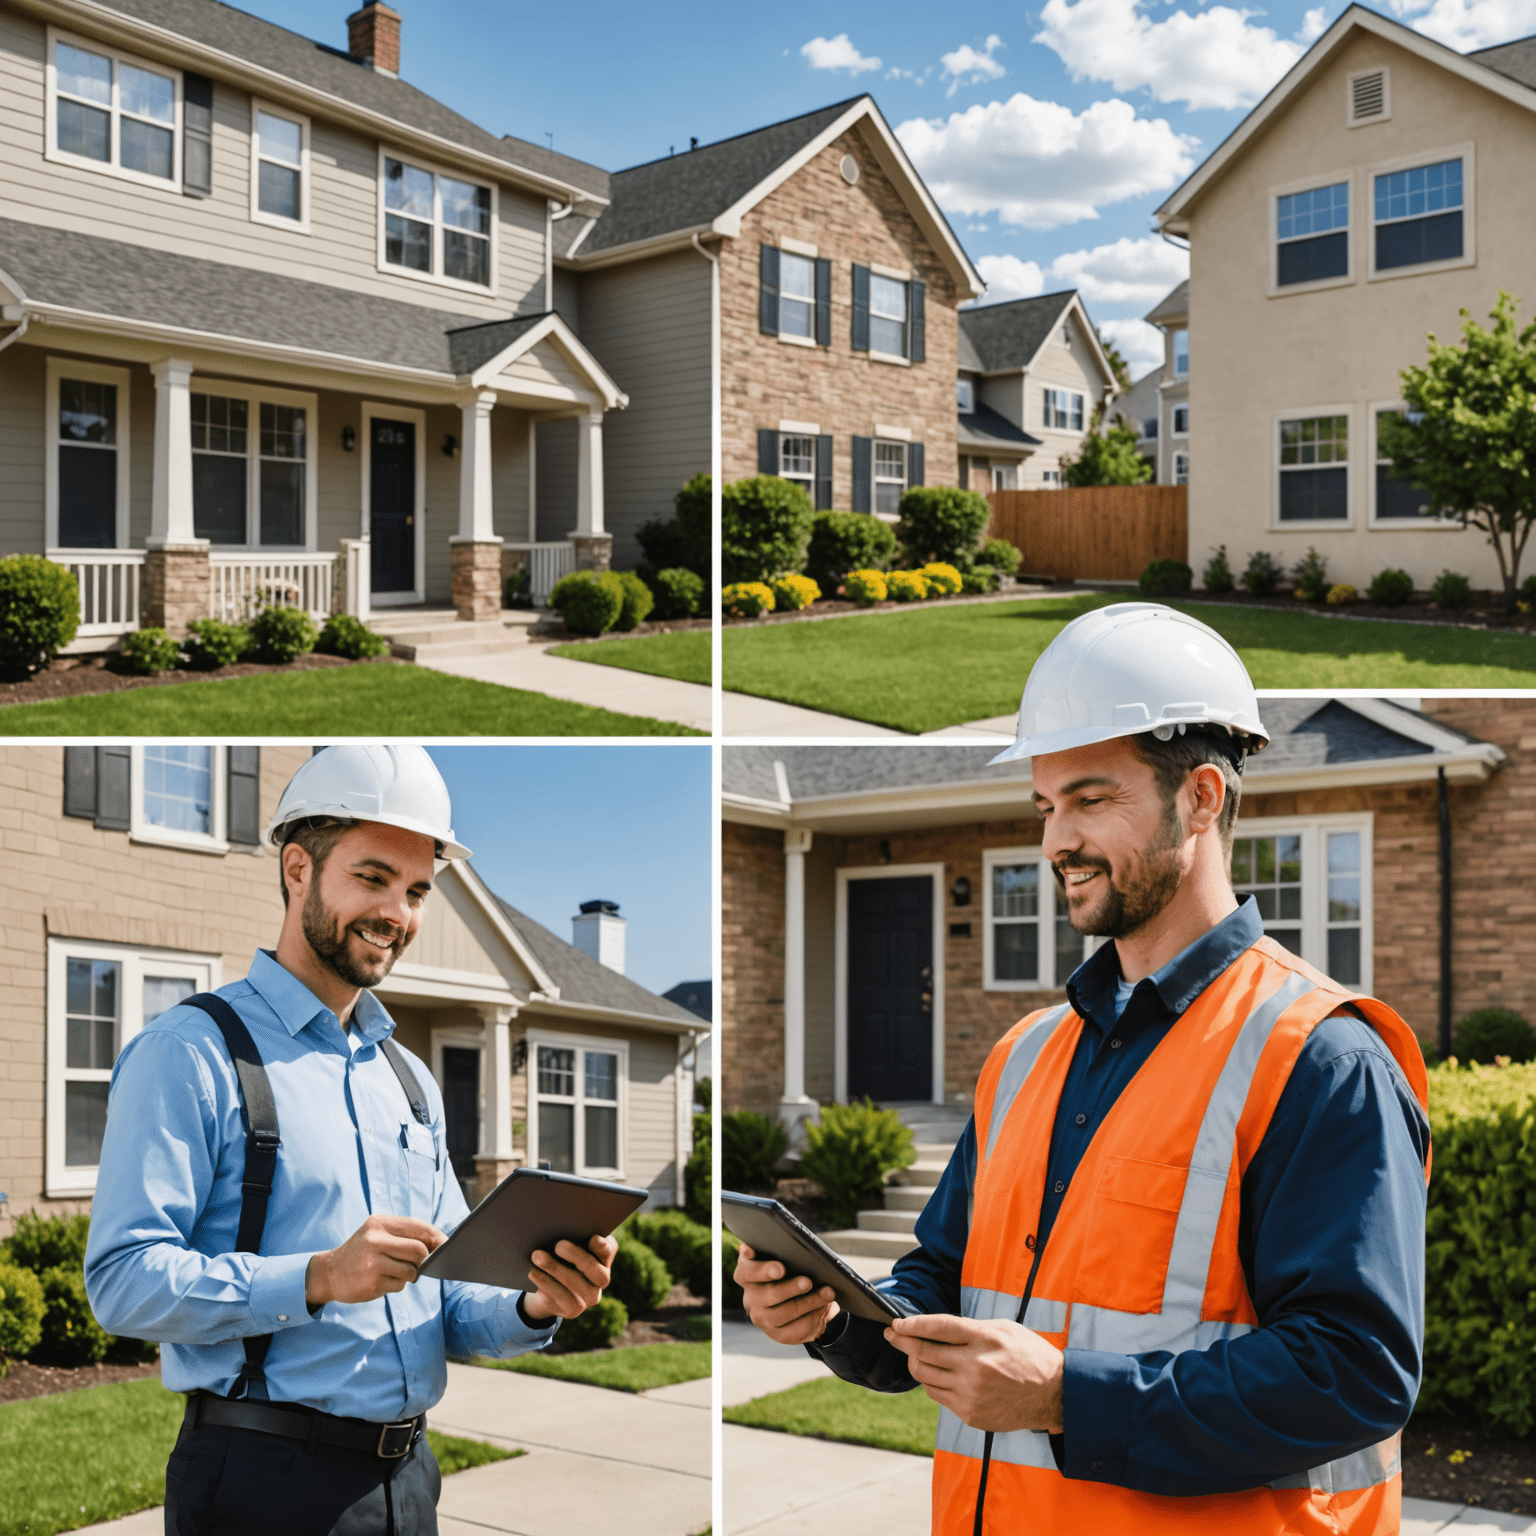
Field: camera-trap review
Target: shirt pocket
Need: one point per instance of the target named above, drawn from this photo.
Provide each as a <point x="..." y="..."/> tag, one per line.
<point x="419" y="1154"/>
<point x="1131" y="1222"/>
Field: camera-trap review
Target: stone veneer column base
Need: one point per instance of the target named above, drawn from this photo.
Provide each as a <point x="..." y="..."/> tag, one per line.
<point x="490" y="1171"/>
<point x="594" y="551"/>
<point x="176" y="587"/>
<point x="477" y="579"/>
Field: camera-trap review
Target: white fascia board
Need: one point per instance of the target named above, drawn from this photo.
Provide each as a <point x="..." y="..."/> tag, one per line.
<point x="1091" y="331"/>
<point x="1173" y="216"/>
<point x="553" y="327"/>
<point x="128" y="31"/>
<point x="432" y="984"/>
<point x="639" y="250"/>
<point x="1429" y="733"/>
<point x="752" y="812"/>
<point x="564" y="1010"/>
<point x="1468" y="766"/>
<point x="460" y="870"/>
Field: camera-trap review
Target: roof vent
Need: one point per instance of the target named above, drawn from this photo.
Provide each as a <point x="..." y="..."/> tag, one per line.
<point x="1369" y="97"/>
<point x="599" y="933"/>
<point x="850" y="169"/>
<point x="373" y="37"/>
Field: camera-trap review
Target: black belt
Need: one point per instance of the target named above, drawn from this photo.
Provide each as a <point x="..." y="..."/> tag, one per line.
<point x="391" y="1441"/>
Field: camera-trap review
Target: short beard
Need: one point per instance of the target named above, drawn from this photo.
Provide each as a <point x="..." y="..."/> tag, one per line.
<point x="1147" y="890"/>
<point x="328" y="939"/>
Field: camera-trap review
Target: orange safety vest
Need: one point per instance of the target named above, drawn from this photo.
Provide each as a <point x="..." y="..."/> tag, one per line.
<point x="1143" y="1253"/>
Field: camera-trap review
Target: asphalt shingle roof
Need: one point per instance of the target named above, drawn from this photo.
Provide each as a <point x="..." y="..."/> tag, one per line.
<point x="1517" y="60"/>
<point x="696" y="996"/>
<point x="985" y="427"/>
<point x="1007" y="336"/>
<point x="1170" y="305"/>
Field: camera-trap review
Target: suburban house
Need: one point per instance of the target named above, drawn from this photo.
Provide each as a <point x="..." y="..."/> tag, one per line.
<point x="1379" y="189"/>
<point x="1157" y="404"/>
<point x="1031" y="375"/>
<point x="139" y="878"/>
<point x="888" y="914"/>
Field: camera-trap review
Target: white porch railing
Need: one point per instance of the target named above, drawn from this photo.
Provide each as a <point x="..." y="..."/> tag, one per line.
<point x="108" y="582"/>
<point x="242" y="583"/>
<point x="547" y="563"/>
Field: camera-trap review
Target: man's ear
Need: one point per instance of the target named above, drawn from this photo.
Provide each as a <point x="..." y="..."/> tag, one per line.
<point x="1209" y="790"/>
<point x="296" y="868"/>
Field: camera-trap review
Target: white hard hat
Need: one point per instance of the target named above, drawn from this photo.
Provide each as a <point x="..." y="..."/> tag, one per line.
<point x="399" y="786"/>
<point x="1132" y="668"/>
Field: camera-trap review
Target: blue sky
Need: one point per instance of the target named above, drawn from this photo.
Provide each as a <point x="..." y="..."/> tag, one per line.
<point x="553" y="826"/>
<point x="1049" y="134"/>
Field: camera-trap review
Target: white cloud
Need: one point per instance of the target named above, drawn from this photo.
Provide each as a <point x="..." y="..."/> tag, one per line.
<point x="1140" y="344"/>
<point x="965" y="66"/>
<point x="837" y="53"/>
<point x="1213" y="58"/>
<point x="1128" y="272"/>
<point x="1009" y="277"/>
<point x="1039" y="164"/>
<point x="1313" y="25"/>
<point x="1467" y="24"/>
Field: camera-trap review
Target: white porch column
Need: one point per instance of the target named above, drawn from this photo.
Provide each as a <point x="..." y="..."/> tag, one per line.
<point x="475" y="521"/>
<point x="171" y="497"/>
<point x="589" y="473"/>
<point x="794" y="1106"/>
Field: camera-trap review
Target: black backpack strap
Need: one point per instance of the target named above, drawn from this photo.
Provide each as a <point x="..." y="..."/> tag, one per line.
<point x="258" y="1113"/>
<point x="396" y="1058"/>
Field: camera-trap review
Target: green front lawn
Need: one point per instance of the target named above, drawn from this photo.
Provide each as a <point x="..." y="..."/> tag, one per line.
<point x="344" y="701"/>
<point x="934" y="667"/>
<point x="635" y="1369"/>
<point x="830" y="1409"/>
<point x="684" y="654"/>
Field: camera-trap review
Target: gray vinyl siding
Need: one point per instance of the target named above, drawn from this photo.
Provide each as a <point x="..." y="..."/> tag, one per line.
<point x="22" y="386"/>
<point x="557" y="478"/>
<point x="509" y="474"/>
<point x="568" y="298"/>
<point x="648" y="324"/>
<point x="1005" y="394"/>
<point x="442" y="515"/>
<point x="342" y="244"/>
<point x="339" y="474"/>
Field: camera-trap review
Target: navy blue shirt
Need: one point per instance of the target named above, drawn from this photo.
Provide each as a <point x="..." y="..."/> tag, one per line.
<point x="1330" y="1238"/>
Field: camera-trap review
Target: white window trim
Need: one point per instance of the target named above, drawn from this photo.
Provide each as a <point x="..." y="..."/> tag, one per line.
<point x="205" y="971"/>
<point x="1173" y="352"/>
<point x="1309" y="184"/>
<point x="1468" y="258"/>
<point x="301" y="225"/>
<point x="1071" y="394"/>
<point x="1393" y="524"/>
<point x="1385" y="115"/>
<point x="796" y="248"/>
<point x="255" y="396"/>
<point x="1351" y="488"/>
<point x="876" y="479"/>
<point x="806" y="482"/>
<point x="434" y="277"/>
<point x="905" y="279"/>
<point x="968" y="405"/>
<point x="840" y="1018"/>
<point x="51" y="150"/>
<point x="141" y="831"/>
<point x="797" y="341"/>
<point x="370" y="409"/>
<point x="1047" y="981"/>
<point x="1314" y="887"/>
<point x="1181" y="477"/>
<point x="896" y="274"/>
<point x="93" y="373"/>
<point x="613" y="1047"/>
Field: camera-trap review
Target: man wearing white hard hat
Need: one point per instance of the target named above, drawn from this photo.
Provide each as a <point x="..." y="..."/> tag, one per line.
<point x="1172" y="1279"/>
<point x="273" y="1172"/>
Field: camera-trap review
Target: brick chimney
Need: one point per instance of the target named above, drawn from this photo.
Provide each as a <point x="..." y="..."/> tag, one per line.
<point x="373" y="37"/>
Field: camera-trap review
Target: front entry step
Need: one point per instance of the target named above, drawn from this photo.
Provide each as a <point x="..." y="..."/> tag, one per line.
<point x="440" y="635"/>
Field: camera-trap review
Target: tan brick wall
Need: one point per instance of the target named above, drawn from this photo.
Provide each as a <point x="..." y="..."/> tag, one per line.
<point x="764" y="380"/>
<point x="751" y="1060"/>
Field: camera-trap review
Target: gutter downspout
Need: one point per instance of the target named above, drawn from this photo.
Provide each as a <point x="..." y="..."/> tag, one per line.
<point x="716" y="661"/>
<point x="18" y="333"/>
<point x="1445" y="916"/>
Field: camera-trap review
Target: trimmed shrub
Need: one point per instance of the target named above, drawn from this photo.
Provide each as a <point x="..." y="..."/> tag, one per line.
<point x="942" y="522"/>
<point x="682" y="1244"/>
<point x="1163" y="576"/>
<point x="698" y="1173"/>
<point x="731" y="1296"/>
<point x="588" y="602"/>
<point x="1494" y="1032"/>
<point x="846" y="541"/>
<point x="1263" y="573"/>
<point x="980" y="578"/>
<point x="750" y="1145"/>
<point x="21" y="1313"/>
<point x="746" y="599"/>
<point x="906" y="586"/>
<point x="1217" y="576"/>
<point x="849" y="1154"/>
<point x="679" y="593"/>
<point x="281" y="635"/>
<point x="944" y="580"/>
<point x="596" y="1328"/>
<point x="640" y="1279"/>
<point x="39" y="613"/>
<point x="1528" y="592"/>
<point x="44" y="1242"/>
<point x="699" y="1330"/>
<point x="517" y="590"/>
<point x="346" y="635"/>
<point x="1001" y="556"/>
<point x="1311" y="574"/>
<point x="637" y="600"/>
<point x="866" y="588"/>
<point x="212" y="643"/>
<point x="1451" y="590"/>
<point x="71" y="1334"/>
<point x="1341" y="594"/>
<point x="683" y="541"/>
<point x="1390" y="588"/>
<point x="148" y="651"/>
<point x="792" y="592"/>
<point x="765" y="525"/>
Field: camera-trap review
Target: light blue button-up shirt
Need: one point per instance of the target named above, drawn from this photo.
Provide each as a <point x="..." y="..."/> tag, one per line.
<point x="161" y="1263"/>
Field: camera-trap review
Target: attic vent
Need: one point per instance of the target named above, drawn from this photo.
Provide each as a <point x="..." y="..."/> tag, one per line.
<point x="850" y="169"/>
<point x="1368" y="97"/>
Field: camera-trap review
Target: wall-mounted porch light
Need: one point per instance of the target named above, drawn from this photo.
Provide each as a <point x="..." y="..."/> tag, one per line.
<point x="348" y="439"/>
<point x="450" y="447"/>
<point x="960" y="892"/>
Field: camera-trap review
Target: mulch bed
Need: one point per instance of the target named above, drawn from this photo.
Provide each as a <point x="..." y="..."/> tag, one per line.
<point x="24" y="1380"/>
<point x="1486" y="611"/>
<point x="1497" y="1473"/>
<point x="69" y="677"/>
<point x="663" y="1326"/>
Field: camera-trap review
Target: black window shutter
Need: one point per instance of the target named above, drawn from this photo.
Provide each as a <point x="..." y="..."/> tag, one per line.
<point x="113" y="786"/>
<point x="197" y="135"/>
<point x="916" y="293"/>
<point x="80" y="782"/>
<point x="823" y="302"/>
<point x="863" y="470"/>
<point x="860" y="340"/>
<point x="767" y="451"/>
<point x="768" y="293"/>
<point x="915" y="464"/>
<point x="243" y="795"/>
<point x="823" y="474"/>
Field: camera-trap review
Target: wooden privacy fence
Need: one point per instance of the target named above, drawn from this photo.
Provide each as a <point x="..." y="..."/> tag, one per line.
<point x="1093" y="533"/>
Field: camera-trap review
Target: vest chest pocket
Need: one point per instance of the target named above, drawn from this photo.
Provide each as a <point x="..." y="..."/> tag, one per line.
<point x="418" y="1153"/>
<point x="1131" y="1222"/>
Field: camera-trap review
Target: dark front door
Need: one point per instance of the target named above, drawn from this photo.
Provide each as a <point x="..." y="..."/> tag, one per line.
<point x="890" y="988"/>
<point x="392" y="504"/>
<point x="461" y="1110"/>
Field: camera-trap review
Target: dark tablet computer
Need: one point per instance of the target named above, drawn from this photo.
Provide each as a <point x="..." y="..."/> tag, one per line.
<point x="531" y="1208"/>
<point x="774" y="1233"/>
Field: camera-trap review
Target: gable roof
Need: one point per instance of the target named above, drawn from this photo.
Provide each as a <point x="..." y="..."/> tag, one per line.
<point x="986" y="428"/>
<point x="1170" y="305"/>
<point x="1512" y="77"/>
<point x="1004" y="338"/>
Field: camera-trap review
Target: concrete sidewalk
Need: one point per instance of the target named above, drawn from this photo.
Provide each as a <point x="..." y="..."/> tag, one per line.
<point x="744" y="714"/>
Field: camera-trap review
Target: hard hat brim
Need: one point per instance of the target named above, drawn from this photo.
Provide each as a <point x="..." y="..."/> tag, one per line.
<point x="1070" y="740"/>
<point x="450" y="848"/>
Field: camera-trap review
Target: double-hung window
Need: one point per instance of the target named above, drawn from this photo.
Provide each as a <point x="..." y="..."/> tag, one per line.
<point x="1397" y="498"/>
<point x="890" y="475"/>
<point x="1312" y="235"/>
<point x="279" y="168"/>
<point x="797" y="461"/>
<point x="1028" y="944"/>
<point x="797" y="296"/>
<point x="87" y="468"/>
<point x="436" y="226"/>
<point x="110" y="111"/>
<point x="206" y="798"/>
<point x="577" y="1104"/>
<point x="1419" y="215"/>
<point x="887" y="316"/>
<point x="1314" y="472"/>
<point x="253" y="467"/>
<point x="1181" y="421"/>
<point x="1063" y="410"/>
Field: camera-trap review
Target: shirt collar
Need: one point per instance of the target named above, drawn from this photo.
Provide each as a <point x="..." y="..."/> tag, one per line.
<point x="296" y="1006"/>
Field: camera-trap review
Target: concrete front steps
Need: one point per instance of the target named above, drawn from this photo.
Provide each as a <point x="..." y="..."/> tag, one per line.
<point x="438" y="634"/>
<point x="887" y="1233"/>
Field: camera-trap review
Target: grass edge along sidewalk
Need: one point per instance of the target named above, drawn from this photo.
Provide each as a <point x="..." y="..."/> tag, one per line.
<point x="927" y="669"/>
<point x="635" y="1368"/>
<point x="77" y="1458"/>
<point x="683" y="656"/>
<point x="832" y="1409"/>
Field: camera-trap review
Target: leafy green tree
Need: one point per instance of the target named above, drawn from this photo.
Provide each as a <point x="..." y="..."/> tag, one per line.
<point x="1108" y="458"/>
<point x="1468" y="437"/>
<point x="1116" y="362"/>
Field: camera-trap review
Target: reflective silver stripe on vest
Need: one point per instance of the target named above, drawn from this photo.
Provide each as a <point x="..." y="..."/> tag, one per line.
<point x="1021" y="1060"/>
<point x="1142" y="1333"/>
<point x="1019" y="1447"/>
<point x="1042" y="1315"/>
<point x="1369" y="1468"/>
